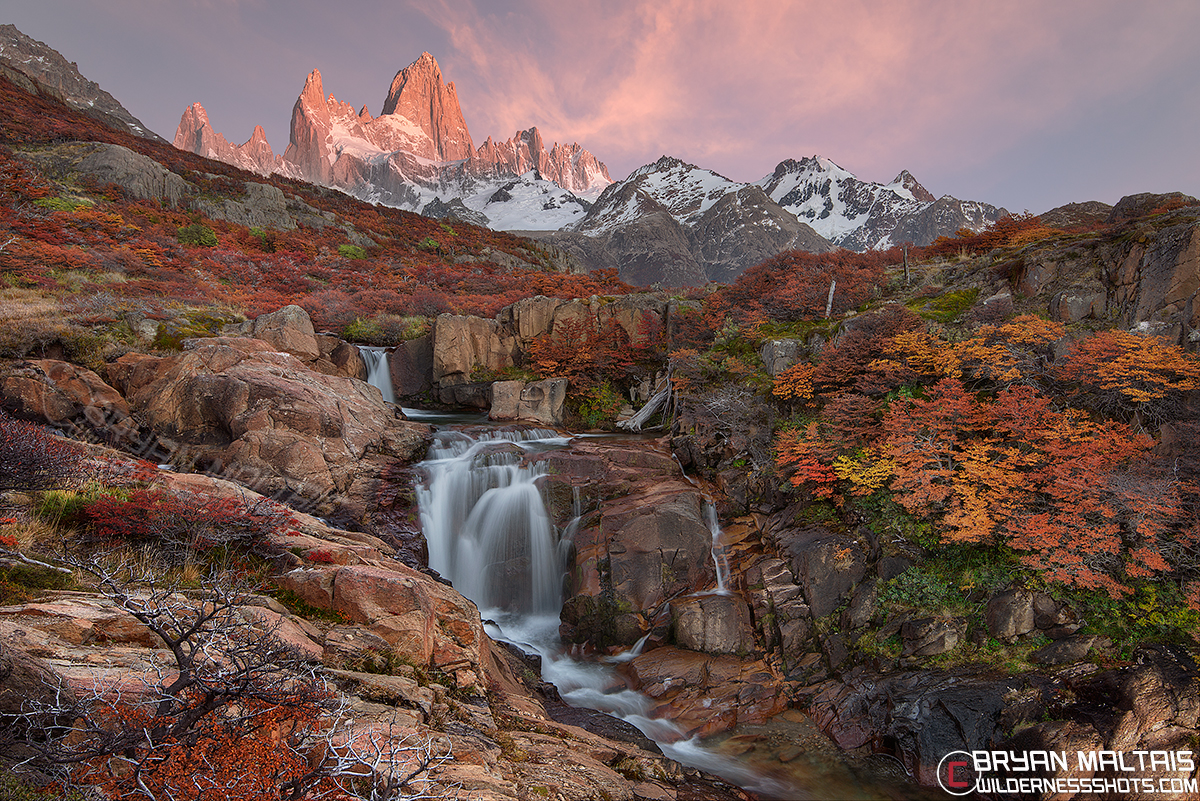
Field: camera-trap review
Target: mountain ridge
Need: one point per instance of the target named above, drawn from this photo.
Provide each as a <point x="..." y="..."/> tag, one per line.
<point x="48" y="69"/>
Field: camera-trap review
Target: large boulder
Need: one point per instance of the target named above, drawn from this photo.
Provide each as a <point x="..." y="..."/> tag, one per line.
<point x="461" y="344"/>
<point x="240" y="406"/>
<point x="289" y="330"/>
<point x="425" y="622"/>
<point x="1010" y="615"/>
<point x="536" y="401"/>
<point x="66" y="395"/>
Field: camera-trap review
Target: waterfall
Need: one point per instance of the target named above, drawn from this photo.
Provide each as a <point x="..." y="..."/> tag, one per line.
<point x="378" y="373"/>
<point x="485" y="522"/>
<point x="718" y="550"/>
<point x="489" y="533"/>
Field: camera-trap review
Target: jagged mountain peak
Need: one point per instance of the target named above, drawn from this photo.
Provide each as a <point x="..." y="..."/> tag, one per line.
<point x="419" y="94"/>
<point x="906" y="181"/>
<point x="196" y="134"/>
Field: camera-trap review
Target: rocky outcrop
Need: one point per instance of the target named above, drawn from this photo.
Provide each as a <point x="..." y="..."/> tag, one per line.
<point x="921" y="716"/>
<point x="1132" y="207"/>
<point x="462" y="344"/>
<point x="67" y="396"/>
<point x="260" y="206"/>
<point x="647" y="543"/>
<point x="1144" y="275"/>
<point x="141" y="176"/>
<point x="428" y="622"/>
<point x="410" y="659"/>
<point x="290" y="330"/>
<point x="452" y="364"/>
<point x="240" y="404"/>
<point x="1076" y="215"/>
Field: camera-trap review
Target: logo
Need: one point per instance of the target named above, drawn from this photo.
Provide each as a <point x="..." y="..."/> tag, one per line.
<point x="956" y="773"/>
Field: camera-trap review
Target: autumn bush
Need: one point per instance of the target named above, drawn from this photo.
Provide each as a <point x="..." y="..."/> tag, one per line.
<point x="978" y="439"/>
<point x="181" y="525"/>
<point x="35" y="458"/>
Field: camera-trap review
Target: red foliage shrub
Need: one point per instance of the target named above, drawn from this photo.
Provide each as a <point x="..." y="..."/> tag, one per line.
<point x="182" y="522"/>
<point x="35" y="458"/>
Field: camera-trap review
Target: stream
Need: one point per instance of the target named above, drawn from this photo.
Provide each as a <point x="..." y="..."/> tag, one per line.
<point x="488" y="531"/>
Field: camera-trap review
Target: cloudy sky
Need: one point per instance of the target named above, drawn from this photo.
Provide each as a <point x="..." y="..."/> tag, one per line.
<point x="1027" y="105"/>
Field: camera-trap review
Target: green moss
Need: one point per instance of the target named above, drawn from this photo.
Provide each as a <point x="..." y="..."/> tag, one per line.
<point x="57" y="203"/>
<point x="947" y="307"/>
<point x="351" y="252"/>
<point x="298" y="606"/>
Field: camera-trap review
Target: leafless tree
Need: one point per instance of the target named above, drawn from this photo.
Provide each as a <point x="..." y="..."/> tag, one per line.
<point x="224" y="672"/>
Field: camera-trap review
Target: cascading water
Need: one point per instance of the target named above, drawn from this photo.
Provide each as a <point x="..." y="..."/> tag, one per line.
<point x="378" y="373"/>
<point x="718" y="551"/>
<point x="486" y="524"/>
<point x="488" y="532"/>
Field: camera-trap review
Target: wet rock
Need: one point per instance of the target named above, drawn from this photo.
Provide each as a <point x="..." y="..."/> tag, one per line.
<point x="715" y="624"/>
<point x="1010" y="615"/>
<point x="411" y="364"/>
<point x="535" y="401"/>
<point x="923" y="716"/>
<point x="706" y="694"/>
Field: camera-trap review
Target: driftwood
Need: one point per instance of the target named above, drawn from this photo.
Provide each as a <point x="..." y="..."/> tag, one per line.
<point x="665" y="398"/>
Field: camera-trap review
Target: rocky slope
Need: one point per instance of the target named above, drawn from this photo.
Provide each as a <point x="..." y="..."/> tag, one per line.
<point x="46" y="67"/>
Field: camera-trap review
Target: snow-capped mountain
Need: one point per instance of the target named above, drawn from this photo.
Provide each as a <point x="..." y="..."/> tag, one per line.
<point x="417" y="152"/>
<point x="830" y="200"/>
<point x="862" y="215"/>
<point x="669" y="222"/>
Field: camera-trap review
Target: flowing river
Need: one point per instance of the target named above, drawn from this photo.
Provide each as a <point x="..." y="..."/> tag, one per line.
<point x="488" y="530"/>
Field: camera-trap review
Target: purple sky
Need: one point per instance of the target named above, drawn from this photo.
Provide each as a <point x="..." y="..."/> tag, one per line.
<point x="1027" y="105"/>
